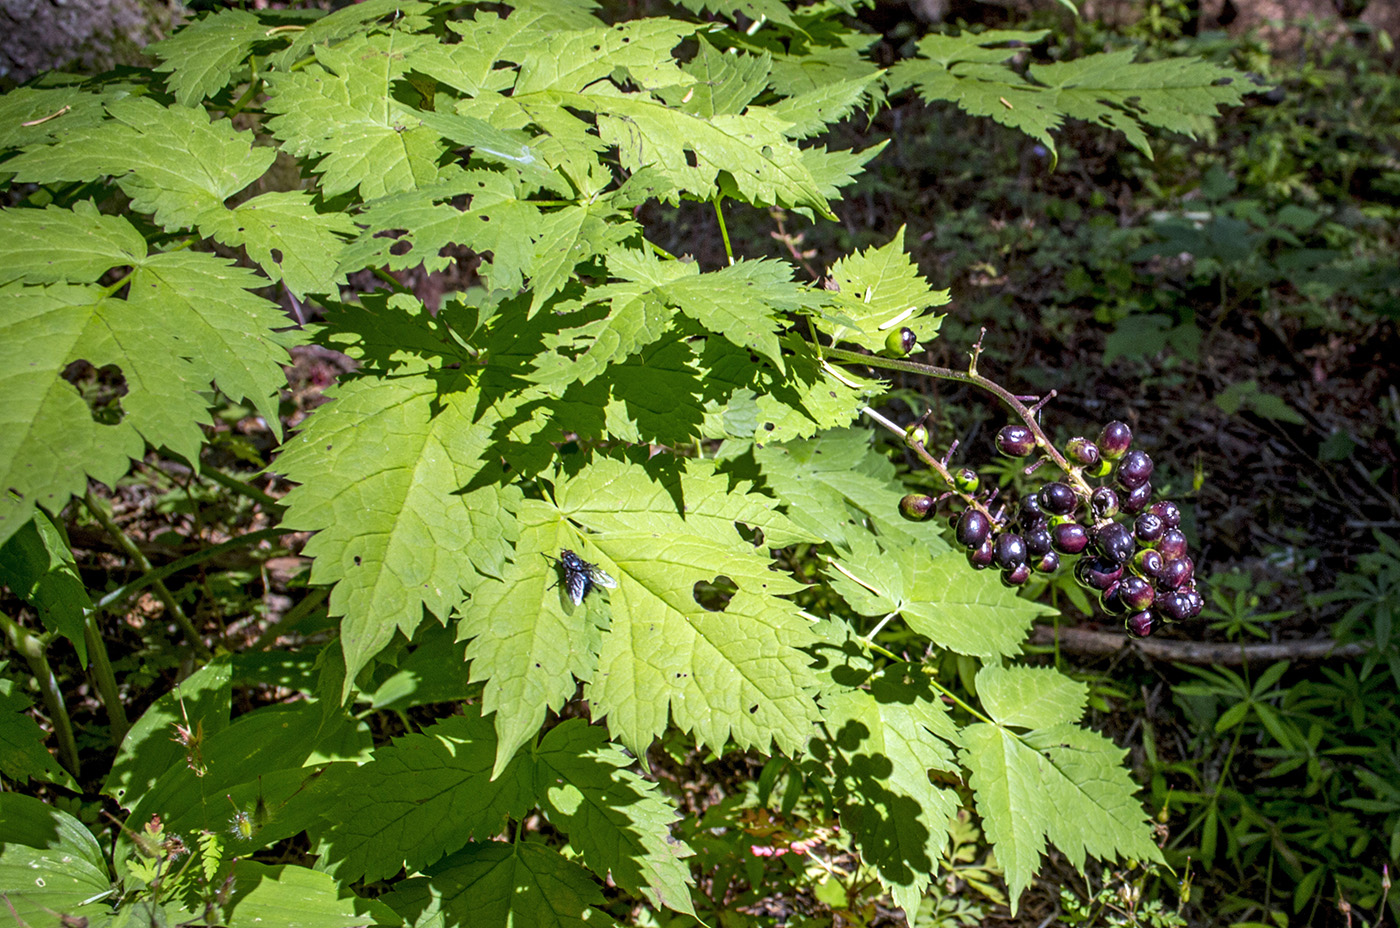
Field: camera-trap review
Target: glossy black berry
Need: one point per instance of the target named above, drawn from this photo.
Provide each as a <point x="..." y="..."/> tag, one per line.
<point x="1082" y="451"/>
<point x="1111" y="602"/>
<point x="973" y="528"/>
<point x="1197" y="604"/>
<point x="984" y="555"/>
<point x="1049" y="563"/>
<point x="1134" y="468"/>
<point x="1069" y="538"/>
<point x="1135" y="592"/>
<point x="1097" y="573"/>
<point x="1016" y="576"/>
<point x="1168" y="512"/>
<point x="1142" y="624"/>
<point x="1176" y="574"/>
<point x="1114" y="542"/>
<point x="1148" y="528"/>
<point x="1011" y="550"/>
<point x="916" y="506"/>
<point x="1137" y="499"/>
<point x="1058" y="499"/>
<point x="1103" y="502"/>
<point x="1172" y="544"/>
<point x="1038" y="541"/>
<point x="1175" y="605"/>
<point x="1114" y="440"/>
<point x="1015" y="441"/>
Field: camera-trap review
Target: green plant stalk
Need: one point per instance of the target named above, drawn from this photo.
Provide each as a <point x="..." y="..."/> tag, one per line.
<point x="160" y="573"/>
<point x="1025" y="413"/>
<point x="723" y="229"/>
<point x="162" y="591"/>
<point x="32" y="649"/>
<point x="243" y="489"/>
<point x="103" y="676"/>
<point x="293" y="615"/>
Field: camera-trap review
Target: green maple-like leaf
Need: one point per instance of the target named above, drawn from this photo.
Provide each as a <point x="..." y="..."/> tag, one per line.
<point x="836" y="484"/>
<point x="1059" y="782"/>
<point x="53" y="245"/>
<point x="615" y="820"/>
<point x="1109" y="89"/>
<point x="723" y="83"/>
<point x="878" y="746"/>
<point x="287" y="237"/>
<point x="343" y="109"/>
<point x="941" y="598"/>
<point x="172" y="161"/>
<point x="502" y="885"/>
<point x="567" y="61"/>
<point x="765" y="166"/>
<point x="881" y="290"/>
<point x="31" y="116"/>
<point x="381" y="470"/>
<point x="735" y="673"/>
<point x="421" y="797"/>
<point x="202" y="56"/>
<point x="181" y="306"/>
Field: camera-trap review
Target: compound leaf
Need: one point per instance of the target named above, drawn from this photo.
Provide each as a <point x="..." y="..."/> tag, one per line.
<point x="287" y="237"/>
<point x="173" y="162"/>
<point x="881" y="289"/>
<point x="343" y="108"/>
<point x="423" y="796"/>
<point x="615" y="820"/>
<point x="380" y="472"/>
<point x="498" y="885"/>
<point x="202" y="56"/>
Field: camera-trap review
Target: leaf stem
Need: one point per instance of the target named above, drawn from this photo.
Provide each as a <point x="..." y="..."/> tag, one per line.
<point x="723" y="229"/>
<point x="104" y="677"/>
<point x="156" y="575"/>
<point x="177" y="614"/>
<point x="32" y="649"/>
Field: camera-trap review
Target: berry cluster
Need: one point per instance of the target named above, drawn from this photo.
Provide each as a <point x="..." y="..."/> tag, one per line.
<point x="1129" y="549"/>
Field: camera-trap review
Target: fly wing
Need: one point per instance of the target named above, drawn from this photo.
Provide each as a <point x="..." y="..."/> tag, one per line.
<point x="599" y="577"/>
<point x="577" y="584"/>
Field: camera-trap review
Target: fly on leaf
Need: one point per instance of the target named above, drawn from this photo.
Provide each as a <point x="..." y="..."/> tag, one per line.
<point x="579" y="576"/>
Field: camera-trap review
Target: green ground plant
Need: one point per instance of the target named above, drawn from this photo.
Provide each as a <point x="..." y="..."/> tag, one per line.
<point x="464" y="731"/>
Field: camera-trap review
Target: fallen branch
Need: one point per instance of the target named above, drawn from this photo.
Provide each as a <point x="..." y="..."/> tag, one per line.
<point x="1087" y="641"/>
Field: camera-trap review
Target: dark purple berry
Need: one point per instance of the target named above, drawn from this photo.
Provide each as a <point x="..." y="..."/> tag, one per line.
<point x="1197" y="604"/>
<point x="1011" y="550"/>
<point x="1017" y="575"/>
<point x="1168" y="512"/>
<point x="1148" y="563"/>
<point x="916" y="506"/>
<point x="1114" y="541"/>
<point x="1136" y="593"/>
<point x="1175" y="574"/>
<point x="1172" y="544"/>
<point x="1148" y="528"/>
<point x="1015" y="441"/>
<point x="1038" y="542"/>
<point x="1137" y="499"/>
<point x="1097" y="573"/>
<point x="984" y="555"/>
<point x="1057" y="498"/>
<point x="1114" y="440"/>
<point x="1142" y="624"/>
<point x="1110" y="601"/>
<point x="973" y="528"/>
<point x="1175" y="605"/>
<point x="1083" y="451"/>
<point x="1134" y="469"/>
<point x="966" y="480"/>
<point x="1048" y="563"/>
<point x="1104" y="503"/>
<point x="1069" y="538"/>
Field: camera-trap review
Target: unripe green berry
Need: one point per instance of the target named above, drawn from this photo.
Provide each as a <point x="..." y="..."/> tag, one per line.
<point x="966" y="480"/>
<point x="899" y="342"/>
<point x="916" y="435"/>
